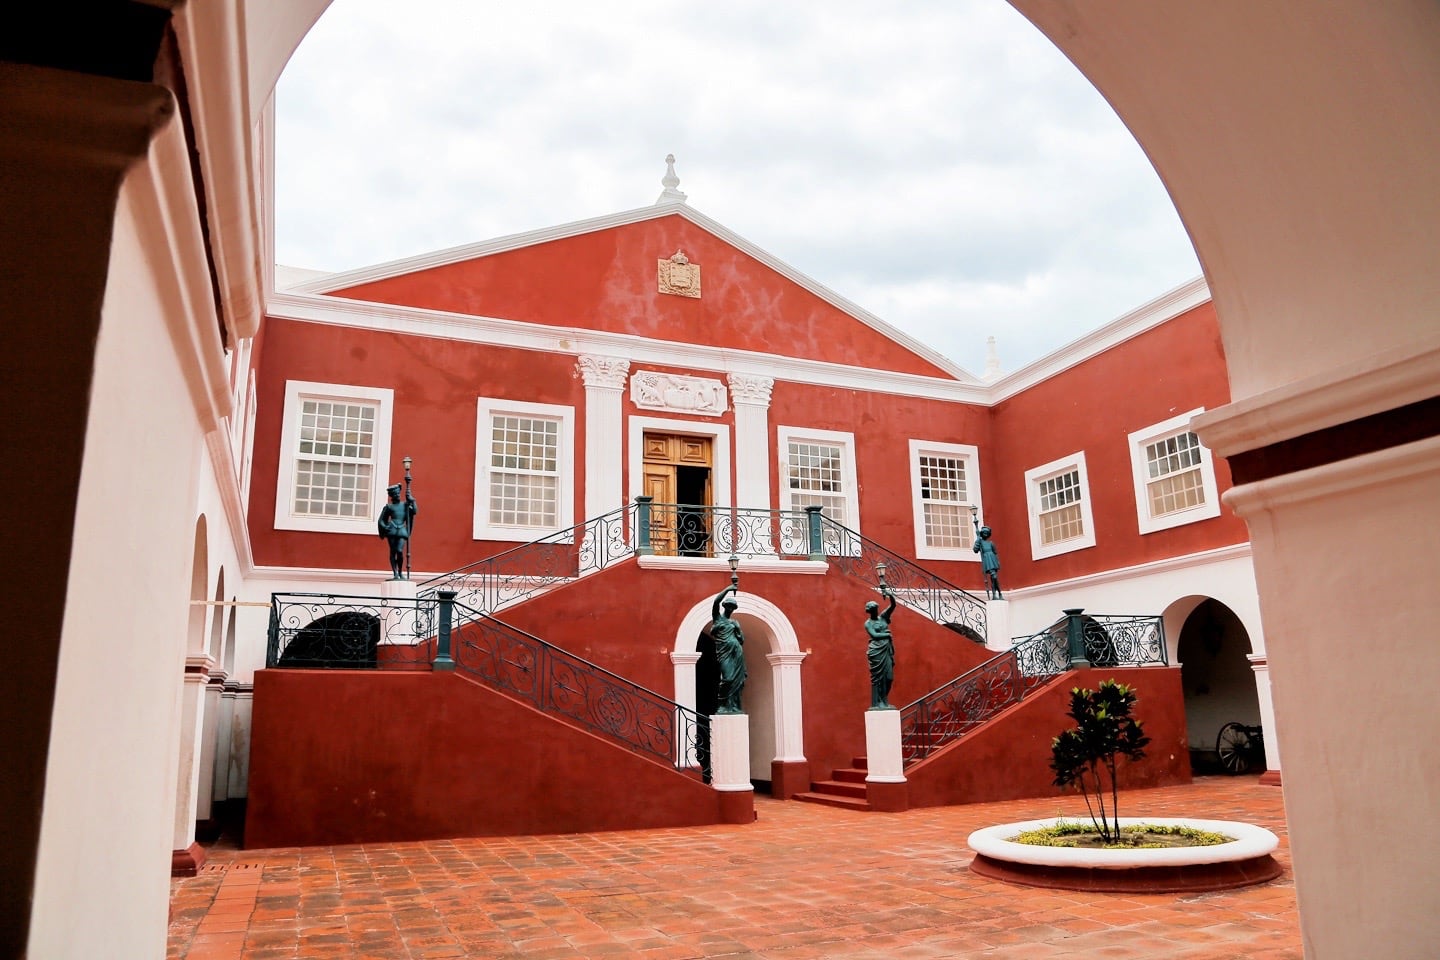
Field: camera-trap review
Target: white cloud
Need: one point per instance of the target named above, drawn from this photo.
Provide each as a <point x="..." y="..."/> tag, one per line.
<point x="940" y="163"/>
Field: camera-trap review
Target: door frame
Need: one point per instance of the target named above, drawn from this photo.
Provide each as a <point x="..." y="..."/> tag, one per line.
<point x="720" y="470"/>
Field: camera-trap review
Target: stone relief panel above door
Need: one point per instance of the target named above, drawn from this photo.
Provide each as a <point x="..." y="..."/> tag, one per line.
<point x="678" y="394"/>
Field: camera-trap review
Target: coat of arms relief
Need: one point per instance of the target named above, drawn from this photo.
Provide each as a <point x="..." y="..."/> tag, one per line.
<point x="680" y="277"/>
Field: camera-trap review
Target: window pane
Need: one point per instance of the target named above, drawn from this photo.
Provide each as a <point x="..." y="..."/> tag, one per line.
<point x="1063" y="524"/>
<point x="947" y="525"/>
<point x="1176" y="492"/>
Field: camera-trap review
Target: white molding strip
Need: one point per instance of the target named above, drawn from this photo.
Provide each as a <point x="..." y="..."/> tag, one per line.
<point x="1370" y="385"/>
<point x="288" y="575"/>
<point x="1238" y="551"/>
<point x="1377" y="469"/>
<point x="576" y="341"/>
<point x="352" y="278"/>
<point x="748" y="564"/>
<point x="1167" y="306"/>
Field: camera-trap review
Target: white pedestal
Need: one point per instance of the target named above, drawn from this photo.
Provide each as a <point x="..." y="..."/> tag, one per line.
<point x="397" y="623"/>
<point x="882" y="747"/>
<point x="730" y="752"/>
<point x="997" y="625"/>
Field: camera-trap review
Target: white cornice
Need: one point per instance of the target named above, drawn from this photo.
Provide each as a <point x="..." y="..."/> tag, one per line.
<point x="1370" y="385"/>
<point x="395" y="268"/>
<point x="578" y="340"/>
<point x="1371" y="471"/>
<point x="1165" y="307"/>
<point x="227" y="482"/>
<point x="1238" y="551"/>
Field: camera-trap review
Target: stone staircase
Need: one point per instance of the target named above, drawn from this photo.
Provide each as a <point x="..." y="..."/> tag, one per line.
<point x="845" y="789"/>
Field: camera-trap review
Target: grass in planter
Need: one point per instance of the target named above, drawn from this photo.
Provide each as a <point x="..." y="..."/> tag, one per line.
<point x="1140" y="836"/>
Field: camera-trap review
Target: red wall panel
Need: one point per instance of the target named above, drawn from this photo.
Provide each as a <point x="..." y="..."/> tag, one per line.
<point x="608" y="280"/>
<point x="377" y="756"/>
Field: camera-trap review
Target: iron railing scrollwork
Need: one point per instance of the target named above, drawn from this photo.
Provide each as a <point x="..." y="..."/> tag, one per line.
<point x="1075" y="640"/>
<point x="917" y="588"/>
<point x="326" y="630"/>
<point x="589" y="696"/>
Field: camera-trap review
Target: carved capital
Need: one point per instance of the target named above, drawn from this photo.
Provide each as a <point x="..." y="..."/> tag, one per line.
<point x="745" y="388"/>
<point x="608" y="372"/>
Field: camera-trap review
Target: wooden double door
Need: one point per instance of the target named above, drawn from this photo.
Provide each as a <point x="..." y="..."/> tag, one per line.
<point x="677" y="479"/>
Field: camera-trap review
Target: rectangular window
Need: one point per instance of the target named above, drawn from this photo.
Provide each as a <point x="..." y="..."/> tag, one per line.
<point x="1058" y="497"/>
<point x="817" y="468"/>
<point x="1174" y="475"/>
<point x="335" y="446"/>
<point x="945" y="485"/>
<point x="524" y="476"/>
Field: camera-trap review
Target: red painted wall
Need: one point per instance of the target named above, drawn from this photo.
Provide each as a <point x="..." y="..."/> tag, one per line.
<point x="625" y="621"/>
<point x="608" y="280"/>
<point x="1009" y="758"/>
<point x="378" y="756"/>
<point x="1093" y="406"/>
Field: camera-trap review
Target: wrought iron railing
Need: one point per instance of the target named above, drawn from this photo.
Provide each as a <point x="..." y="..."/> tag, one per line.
<point x="325" y="630"/>
<point x="590" y="697"/>
<point x="704" y="531"/>
<point x="530" y="569"/>
<point x="435" y="632"/>
<point x="913" y="585"/>
<point x="1075" y="640"/>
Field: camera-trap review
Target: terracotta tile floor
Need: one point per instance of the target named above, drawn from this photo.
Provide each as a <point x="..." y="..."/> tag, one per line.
<point x="803" y="882"/>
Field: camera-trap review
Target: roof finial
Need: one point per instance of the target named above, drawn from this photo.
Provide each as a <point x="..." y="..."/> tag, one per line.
<point x="671" y="183"/>
<point x="992" y="360"/>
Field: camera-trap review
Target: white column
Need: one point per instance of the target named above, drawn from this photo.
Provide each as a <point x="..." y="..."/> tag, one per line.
<point x="604" y="386"/>
<point x="220" y="789"/>
<point x="197" y="676"/>
<point x="1261" y="666"/>
<point x="209" y="725"/>
<point x="730" y="752"/>
<point x="240" y="741"/>
<point x="997" y="625"/>
<point x="883" y="757"/>
<point x="789" y="722"/>
<point x="750" y="396"/>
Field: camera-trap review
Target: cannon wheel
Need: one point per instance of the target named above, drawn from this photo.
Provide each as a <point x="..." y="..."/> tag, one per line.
<point x="1234" y="748"/>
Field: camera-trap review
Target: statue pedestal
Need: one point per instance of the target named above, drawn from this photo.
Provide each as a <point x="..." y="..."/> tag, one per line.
<point x="730" y="766"/>
<point x="997" y="625"/>
<point x="398" y="619"/>
<point x="885" y="787"/>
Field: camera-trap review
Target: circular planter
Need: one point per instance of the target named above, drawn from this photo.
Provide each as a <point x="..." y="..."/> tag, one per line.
<point x="1243" y="861"/>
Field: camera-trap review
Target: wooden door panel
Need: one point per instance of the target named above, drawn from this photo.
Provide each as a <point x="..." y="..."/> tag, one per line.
<point x="659" y="485"/>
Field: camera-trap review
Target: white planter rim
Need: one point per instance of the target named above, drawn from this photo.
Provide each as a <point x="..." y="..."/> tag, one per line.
<point x="1250" y="842"/>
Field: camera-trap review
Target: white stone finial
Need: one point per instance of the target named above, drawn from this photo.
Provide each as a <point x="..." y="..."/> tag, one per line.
<point x="992" y="360"/>
<point x="671" y="183"/>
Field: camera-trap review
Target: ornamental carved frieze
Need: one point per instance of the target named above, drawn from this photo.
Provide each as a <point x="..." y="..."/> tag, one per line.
<point x="603" y="371"/>
<point x="677" y="394"/>
<point x="680" y="277"/>
<point x="746" y="388"/>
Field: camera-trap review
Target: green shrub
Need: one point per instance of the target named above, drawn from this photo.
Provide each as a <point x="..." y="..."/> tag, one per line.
<point x="1085" y="757"/>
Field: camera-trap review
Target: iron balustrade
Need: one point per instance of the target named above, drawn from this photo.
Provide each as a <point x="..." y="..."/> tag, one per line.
<point x="589" y="696"/>
<point x="914" y="586"/>
<point x="707" y="531"/>
<point x="327" y="630"/>
<point x="1076" y="640"/>
<point x="435" y="632"/>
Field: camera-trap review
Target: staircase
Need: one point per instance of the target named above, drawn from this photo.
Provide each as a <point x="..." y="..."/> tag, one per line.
<point x="845" y="789"/>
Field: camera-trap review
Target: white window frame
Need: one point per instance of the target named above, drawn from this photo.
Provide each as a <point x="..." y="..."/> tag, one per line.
<point x="849" y="478"/>
<point x="970" y="456"/>
<point x="486" y="410"/>
<point x="298" y="391"/>
<point x="1139" y="440"/>
<point x="1074" y="463"/>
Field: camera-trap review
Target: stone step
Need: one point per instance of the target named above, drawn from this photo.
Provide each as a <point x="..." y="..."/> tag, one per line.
<point x="832" y="800"/>
<point x="839" y="788"/>
<point x="850" y="775"/>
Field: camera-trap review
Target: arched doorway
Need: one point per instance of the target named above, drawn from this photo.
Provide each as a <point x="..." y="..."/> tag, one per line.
<point x="1212" y="650"/>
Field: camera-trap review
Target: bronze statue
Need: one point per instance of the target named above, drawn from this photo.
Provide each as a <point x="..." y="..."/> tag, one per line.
<point x="729" y="651"/>
<point x="395" y="523"/>
<point x="989" y="562"/>
<point x="881" y="651"/>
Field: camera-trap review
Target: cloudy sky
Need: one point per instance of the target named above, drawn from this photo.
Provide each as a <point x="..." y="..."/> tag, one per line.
<point x="941" y="165"/>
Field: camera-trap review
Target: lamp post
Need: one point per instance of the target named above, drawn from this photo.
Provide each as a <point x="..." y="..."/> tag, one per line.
<point x="734" y="562"/>
<point x="409" y="515"/>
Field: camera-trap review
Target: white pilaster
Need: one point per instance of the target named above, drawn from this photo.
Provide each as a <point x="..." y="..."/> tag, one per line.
<point x="240" y="742"/>
<point x="192" y="701"/>
<point x="730" y="752"/>
<point x="789" y="723"/>
<point x="604" y="386"/>
<point x="209" y="725"/>
<point x="220" y="788"/>
<point x="750" y="396"/>
<point x="883" y="757"/>
<point x="1261" y="666"/>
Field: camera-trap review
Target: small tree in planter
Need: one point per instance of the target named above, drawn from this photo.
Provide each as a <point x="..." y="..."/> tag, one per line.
<point x="1086" y="756"/>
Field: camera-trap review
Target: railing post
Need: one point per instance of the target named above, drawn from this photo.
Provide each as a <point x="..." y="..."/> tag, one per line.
<point x="443" y="660"/>
<point x="272" y="638"/>
<point x="643" y="547"/>
<point x="1075" y="635"/>
<point x="812" y="520"/>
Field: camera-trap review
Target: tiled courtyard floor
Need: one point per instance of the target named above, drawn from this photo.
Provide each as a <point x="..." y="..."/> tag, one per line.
<point x="803" y="882"/>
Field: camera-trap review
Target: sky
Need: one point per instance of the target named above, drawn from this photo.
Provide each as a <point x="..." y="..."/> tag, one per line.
<point x="941" y="165"/>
